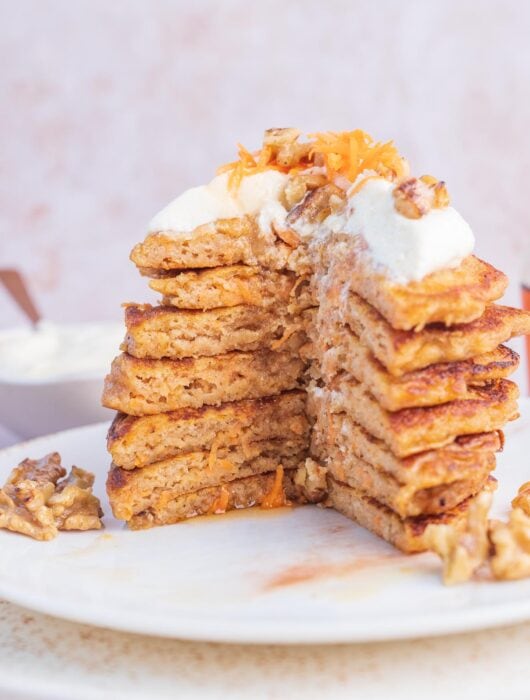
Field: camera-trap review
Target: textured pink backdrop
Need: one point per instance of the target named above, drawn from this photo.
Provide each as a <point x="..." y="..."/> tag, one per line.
<point x="108" y="109"/>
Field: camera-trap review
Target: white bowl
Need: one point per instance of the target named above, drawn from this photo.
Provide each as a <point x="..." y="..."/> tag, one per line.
<point x="52" y="378"/>
<point x="29" y="409"/>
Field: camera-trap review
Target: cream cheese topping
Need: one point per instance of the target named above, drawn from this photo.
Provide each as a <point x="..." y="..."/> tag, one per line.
<point x="257" y="194"/>
<point x="406" y="249"/>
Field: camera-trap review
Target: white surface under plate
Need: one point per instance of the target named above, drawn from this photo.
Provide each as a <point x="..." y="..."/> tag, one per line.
<point x="305" y="575"/>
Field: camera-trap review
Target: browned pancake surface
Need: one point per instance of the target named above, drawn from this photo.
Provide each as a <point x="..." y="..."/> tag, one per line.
<point x="435" y="384"/>
<point x="137" y="441"/>
<point x="132" y="491"/>
<point x="232" y="285"/>
<point x="146" y="387"/>
<point x="164" y="331"/>
<point x="406" y="351"/>
<point x="414" y="430"/>
<point x="404" y="533"/>
<point x="257" y="490"/>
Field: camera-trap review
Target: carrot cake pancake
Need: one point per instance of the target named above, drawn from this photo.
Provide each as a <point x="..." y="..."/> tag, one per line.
<point x="325" y="333"/>
<point x="134" y="441"/>
<point x="231" y="286"/>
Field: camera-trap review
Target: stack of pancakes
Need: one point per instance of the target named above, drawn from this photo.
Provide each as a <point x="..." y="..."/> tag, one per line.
<point x="280" y="367"/>
<point x="412" y="392"/>
<point x="209" y="386"/>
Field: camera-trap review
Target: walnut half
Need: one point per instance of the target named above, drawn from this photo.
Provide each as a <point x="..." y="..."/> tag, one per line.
<point x="415" y="197"/>
<point x="310" y="480"/>
<point x="510" y="545"/>
<point x="37" y="501"/>
<point x="462" y="551"/>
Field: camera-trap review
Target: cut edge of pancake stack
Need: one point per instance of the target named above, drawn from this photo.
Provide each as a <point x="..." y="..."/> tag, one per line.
<point x="210" y="383"/>
<point x="406" y="448"/>
<point x="284" y="366"/>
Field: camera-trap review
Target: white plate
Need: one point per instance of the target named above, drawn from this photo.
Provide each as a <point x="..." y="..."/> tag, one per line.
<point x="291" y="576"/>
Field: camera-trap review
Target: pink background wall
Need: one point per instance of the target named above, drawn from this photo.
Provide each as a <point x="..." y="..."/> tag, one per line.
<point x="109" y="109"/>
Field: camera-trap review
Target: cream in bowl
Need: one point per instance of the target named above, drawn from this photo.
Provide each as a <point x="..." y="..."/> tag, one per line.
<point x="51" y="376"/>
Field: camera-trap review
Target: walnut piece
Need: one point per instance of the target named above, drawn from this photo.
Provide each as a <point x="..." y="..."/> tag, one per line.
<point x="316" y="206"/>
<point x="281" y="145"/>
<point x="441" y="196"/>
<point x="37" y="501"/>
<point x="23" y="509"/>
<point x="73" y="504"/>
<point x="462" y="551"/>
<point x="510" y="544"/>
<point x="40" y="470"/>
<point x="310" y="479"/>
<point x="413" y="198"/>
<point x="522" y="500"/>
<point x="276" y="138"/>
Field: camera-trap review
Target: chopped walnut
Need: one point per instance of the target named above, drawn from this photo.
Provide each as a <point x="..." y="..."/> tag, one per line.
<point x="288" y="236"/>
<point x="299" y="184"/>
<point x="40" y="470"/>
<point x="36" y="502"/>
<point x="413" y="198"/>
<point x="276" y="138"/>
<point x="284" y="147"/>
<point x="522" y="500"/>
<point x="510" y="545"/>
<point x="295" y="190"/>
<point x="316" y="206"/>
<point x="441" y="196"/>
<point x="73" y="504"/>
<point x="23" y="508"/>
<point x="310" y="479"/>
<point x="462" y="551"/>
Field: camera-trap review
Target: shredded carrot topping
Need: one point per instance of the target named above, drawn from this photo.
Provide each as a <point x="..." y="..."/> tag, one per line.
<point x="344" y="153"/>
<point x="349" y="153"/>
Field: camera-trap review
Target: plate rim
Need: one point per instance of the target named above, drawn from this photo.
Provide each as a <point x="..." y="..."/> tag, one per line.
<point x="269" y="631"/>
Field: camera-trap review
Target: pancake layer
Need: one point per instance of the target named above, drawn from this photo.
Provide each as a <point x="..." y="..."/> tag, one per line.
<point x="146" y="387"/>
<point x="137" y="441"/>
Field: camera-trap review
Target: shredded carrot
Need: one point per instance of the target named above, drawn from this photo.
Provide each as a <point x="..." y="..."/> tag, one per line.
<point x="345" y="153"/>
<point x="349" y="153"/>
<point x="220" y="503"/>
<point x="276" y="498"/>
<point x="212" y="457"/>
<point x="222" y="438"/>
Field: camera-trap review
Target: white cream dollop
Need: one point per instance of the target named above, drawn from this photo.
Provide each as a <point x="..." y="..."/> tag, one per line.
<point x="201" y="205"/>
<point x="407" y="249"/>
<point x="52" y="352"/>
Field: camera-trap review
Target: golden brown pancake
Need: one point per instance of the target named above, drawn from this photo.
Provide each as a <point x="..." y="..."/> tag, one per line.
<point x="222" y="242"/>
<point x="164" y="331"/>
<point x="233" y="285"/>
<point x="259" y="490"/>
<point x="136" y="441"/>
<point x="432" y="385"/>
<point x="424" y="470"/>
<point x="405" y="534"/>
<point x="407" y="500"/>
<point x="146" y="387"/>
<point x="406" y="351"/>
<point x="414" y="430"/>
<point x="448" y="296"/>
<point x="134" y="490"/>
